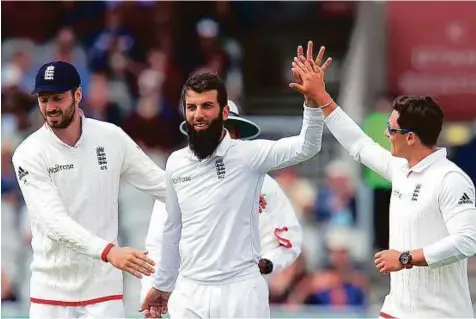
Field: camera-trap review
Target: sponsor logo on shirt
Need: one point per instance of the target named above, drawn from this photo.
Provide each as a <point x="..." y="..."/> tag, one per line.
<point x="102" y="160"/>
<point x="22" y="173"/>
<point x="180" y="179"/>
<point x="57" y="168"/>
<point x="220" y="166"/>
<point x="416" y="193"/>
<point x="465" y="200"/>
<point x="396" y="193"/>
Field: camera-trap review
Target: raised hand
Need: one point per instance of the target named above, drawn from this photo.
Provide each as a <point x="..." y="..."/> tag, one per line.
<point x="309" y="76"/>
<point x="309" y="57"/>
<point x="131" y="260"/>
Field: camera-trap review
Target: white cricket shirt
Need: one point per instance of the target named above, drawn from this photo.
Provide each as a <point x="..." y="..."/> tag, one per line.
<point x="211" y="231"/>
<point x="279" y="230"/>
<point x="432" y="207"/>
<point x="72" y="198"/>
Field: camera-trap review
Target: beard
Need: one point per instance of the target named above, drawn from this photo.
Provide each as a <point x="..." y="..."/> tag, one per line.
<point x="204" y="143"/>
<point x="64" y="118"/>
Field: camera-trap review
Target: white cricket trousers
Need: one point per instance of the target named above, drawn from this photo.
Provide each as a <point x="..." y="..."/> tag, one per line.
<point x="243" y="299"/>
<point x="108" y="309"/>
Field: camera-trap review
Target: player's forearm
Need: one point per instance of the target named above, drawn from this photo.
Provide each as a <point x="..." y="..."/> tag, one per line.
<point x="449" y="250"/>
<point x="346" y="131"/>
<point x="72" y="235"/>
<point x="47" y="211"/>
<point x="282" y="257"/>
<point x="292" y="150"/>
<point x="167" y="269"/>
<point x="418" y="258"/>
<point x="311" y="133"/>
<point x="459" y="244"/>
<point x="360" y="146"/>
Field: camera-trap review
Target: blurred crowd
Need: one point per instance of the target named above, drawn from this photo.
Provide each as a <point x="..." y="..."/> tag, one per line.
<point x="133" y="58"/>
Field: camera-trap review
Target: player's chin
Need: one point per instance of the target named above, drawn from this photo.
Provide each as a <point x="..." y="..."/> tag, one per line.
<point x="56" y="123"/>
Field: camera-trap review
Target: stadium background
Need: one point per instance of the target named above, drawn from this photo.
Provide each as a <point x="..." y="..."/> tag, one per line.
<point x="133" y="58"/>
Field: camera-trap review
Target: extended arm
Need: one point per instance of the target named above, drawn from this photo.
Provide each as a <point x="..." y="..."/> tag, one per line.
<point x="169" y="263"/>
<point x="48" y="211"/>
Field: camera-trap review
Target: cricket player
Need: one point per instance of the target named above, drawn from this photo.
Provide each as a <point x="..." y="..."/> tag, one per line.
<point x="69" y="172"/>
<point x="211" y="233"/>
<point x="432" y="209"/>
<point x="279" y="229"/>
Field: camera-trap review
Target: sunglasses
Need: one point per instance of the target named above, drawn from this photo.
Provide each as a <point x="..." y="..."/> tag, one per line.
<point x="393" y="130"/>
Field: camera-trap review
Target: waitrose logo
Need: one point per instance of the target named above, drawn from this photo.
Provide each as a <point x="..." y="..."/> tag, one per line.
<point x="57" y="168"/>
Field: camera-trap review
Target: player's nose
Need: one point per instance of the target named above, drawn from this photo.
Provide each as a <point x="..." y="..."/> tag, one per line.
<point x="199" y="115"/>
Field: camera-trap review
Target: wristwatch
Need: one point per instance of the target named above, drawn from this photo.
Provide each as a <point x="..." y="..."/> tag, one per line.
<point x="265" y="266"/>
<point x="406" y="260"/>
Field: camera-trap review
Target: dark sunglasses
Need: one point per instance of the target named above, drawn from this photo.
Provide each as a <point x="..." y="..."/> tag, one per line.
<point x="393" y="130"/>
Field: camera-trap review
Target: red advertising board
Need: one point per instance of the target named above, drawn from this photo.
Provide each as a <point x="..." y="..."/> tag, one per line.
<point x="432" y="51"/>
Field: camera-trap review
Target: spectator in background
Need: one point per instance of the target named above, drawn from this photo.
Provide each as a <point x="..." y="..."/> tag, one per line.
<point x="65" y="47"/>
<point x="212" y="57"/>
<point x="98" y="104"/>
<point x="341" y="282"/>
<point x="154" y="123"/>
<point x="464" y="155"/>
<point x="299" y="190"/>
<point x="166" y="68"/>
<point x="375" y="125"/>
<point x="16" y="103"/>
<point x="282" y="284"/>
<point x="17" y="61"/>
<point x="302" y="192"/>
<point x="336" y="205"/>
<point x="114" y="37"/>
<point x="11" y="238"/>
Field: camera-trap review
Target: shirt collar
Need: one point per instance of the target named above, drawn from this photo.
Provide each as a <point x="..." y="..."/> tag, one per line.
<point x="224" y="145"/>
<point x="221" y="149"/>
<point x="428" y="161"/>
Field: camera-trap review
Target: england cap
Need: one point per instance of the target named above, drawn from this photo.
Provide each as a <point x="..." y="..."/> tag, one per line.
<point x="56" y="76"/>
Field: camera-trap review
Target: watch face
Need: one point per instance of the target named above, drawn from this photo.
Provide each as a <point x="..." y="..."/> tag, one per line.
<point x="404" y="259"/>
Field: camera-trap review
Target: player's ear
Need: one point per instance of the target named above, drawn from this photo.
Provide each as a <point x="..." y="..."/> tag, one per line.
<point x="412" y="138"/>
<point x="226" y="112"/>
<point x="78" y="95"/>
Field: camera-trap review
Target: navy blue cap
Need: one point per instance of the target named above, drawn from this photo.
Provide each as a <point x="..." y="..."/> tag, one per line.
<point x="57" y="76"/>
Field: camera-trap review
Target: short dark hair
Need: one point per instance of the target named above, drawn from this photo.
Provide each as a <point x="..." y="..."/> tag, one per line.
<point x="204" y="82"/>
<point x="422" y="115"/>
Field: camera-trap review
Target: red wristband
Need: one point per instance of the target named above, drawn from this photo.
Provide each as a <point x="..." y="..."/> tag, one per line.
<point x="106" y="251"/>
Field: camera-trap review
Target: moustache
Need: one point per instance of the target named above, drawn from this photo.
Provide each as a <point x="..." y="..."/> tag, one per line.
<point x="53" y="113"/>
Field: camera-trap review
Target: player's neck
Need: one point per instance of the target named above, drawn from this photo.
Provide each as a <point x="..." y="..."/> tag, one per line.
<point x="418" y="155"/>
<point x="223" y="134"/>
<point x="72" y="133"/>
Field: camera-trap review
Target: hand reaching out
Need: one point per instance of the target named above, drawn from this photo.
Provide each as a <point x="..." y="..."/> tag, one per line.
<point x="131" y="260"/>
<point x="155" y="303"/>
<point x="318" y="61"/>
<point x="309" y="76"/>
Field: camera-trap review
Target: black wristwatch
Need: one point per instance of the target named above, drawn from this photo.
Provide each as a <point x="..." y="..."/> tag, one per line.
<point x="406" y="259"/>
<point x="265" y="266"/>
